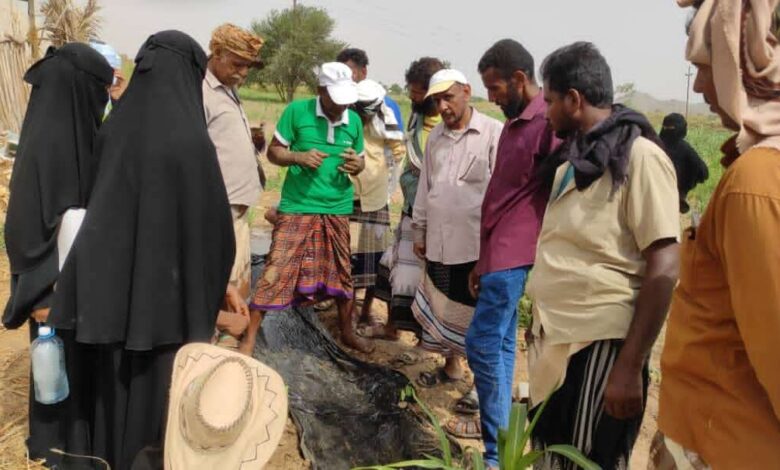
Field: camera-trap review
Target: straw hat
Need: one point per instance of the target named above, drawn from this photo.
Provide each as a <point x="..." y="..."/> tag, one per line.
<point x="226" y="410"/>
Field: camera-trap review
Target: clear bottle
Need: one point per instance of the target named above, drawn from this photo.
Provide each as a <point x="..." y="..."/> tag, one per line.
<point x="50" y="379"/>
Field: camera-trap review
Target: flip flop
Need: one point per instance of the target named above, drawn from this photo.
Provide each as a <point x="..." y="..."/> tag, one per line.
<point x="464" y="427"/>
<point x="376" y="332"/>
<point x="430" y="379"/>
<point x="405" y="359"/>
<point x="324" y="305"/>
<point x="468" y="404"/>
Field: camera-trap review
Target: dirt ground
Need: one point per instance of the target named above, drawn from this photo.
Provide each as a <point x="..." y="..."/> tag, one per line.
<point x="14" y="380"/>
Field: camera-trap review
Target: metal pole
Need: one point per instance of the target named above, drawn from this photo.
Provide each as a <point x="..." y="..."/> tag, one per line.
<point x="32" y="31"/>
<point x="688" y="91"/>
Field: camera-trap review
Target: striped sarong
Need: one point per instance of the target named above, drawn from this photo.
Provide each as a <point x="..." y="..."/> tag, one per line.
<point x="444" y="307"/>
<point x="308" y="262"/>
<point x="370" y="237"/>
<point x="575" y="413"/>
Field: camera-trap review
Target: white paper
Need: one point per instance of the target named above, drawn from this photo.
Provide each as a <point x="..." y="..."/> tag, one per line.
<point x="69" y="228"/>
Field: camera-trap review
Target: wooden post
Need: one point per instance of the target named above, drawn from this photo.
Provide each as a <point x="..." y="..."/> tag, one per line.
<point x="32" y="31"/>
<point x="688" y="91"/>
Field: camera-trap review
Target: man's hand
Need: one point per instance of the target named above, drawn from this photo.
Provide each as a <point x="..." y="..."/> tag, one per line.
<point x="419" y="250"/>
<point x="353" y="163"/>
<point x="474" y="283"/>
<point x="233" y="324"/>
<point x="624" y="395"/>
<point x="41" y="315"/>
<point x="311" y="159"/>
<point x="234" y="302"/>
<point x="258" y="137"/>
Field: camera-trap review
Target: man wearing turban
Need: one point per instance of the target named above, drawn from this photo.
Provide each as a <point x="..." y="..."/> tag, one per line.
<point x="720" y="394"/>
<point x="234" y="52"/>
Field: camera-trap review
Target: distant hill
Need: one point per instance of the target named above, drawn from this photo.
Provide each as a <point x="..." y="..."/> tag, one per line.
<point x="650" y="105"/>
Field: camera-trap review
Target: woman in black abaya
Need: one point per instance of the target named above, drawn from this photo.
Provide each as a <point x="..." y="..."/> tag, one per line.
<point x="149" y="268"/>
<point x="53" y="172"/>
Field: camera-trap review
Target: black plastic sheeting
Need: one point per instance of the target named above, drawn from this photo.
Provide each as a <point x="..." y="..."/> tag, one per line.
<point x="346" y="410"/>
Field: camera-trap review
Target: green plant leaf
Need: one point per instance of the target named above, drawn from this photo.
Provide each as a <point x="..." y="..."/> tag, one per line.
<point x="530" y="429"/>
<point x="502" y="433"/>
<point x="477" y="462"/>
<point x="516" y="435"/>
<point x="410" y="463"/>
<point x="444" y="443"/>
<point x="526" y="460"/>
<point x="574" y="454"/>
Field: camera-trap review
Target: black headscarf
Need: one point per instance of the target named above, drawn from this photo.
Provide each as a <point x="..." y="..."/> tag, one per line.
<point x="153" y="257"/>
<point x="54" y="168"/>
<point x="608" y="146"/>
<point x="690" y="168"/>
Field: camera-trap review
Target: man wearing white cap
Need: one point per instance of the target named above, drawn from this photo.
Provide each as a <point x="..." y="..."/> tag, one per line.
<point x="459" y="159"/>
<point x="320" y="141"/>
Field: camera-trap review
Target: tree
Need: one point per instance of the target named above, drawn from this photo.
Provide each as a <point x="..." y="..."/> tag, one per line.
<point x="296" y="42"/>
<point x="65" y="22"/>
<point x="625" y="93"/>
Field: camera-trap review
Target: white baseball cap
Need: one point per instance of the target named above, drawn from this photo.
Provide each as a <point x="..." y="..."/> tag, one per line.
<point x="337" y="78"/>
<point x="442" y="80"/>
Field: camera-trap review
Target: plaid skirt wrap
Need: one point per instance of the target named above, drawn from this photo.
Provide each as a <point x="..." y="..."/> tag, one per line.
<point x="309" y="261"/>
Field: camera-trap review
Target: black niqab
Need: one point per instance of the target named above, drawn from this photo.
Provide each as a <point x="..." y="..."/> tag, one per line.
<point x="54" y="168"/>
<point x="690" y="168"/>
<point x="151" y="263"/>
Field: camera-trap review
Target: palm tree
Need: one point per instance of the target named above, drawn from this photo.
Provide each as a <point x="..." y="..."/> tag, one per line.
<point x="65" y="22"/>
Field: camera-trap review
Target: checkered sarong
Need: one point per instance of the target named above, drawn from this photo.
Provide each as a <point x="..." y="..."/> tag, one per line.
<point x="308" y="262"/>
<point x="370" y="236"/>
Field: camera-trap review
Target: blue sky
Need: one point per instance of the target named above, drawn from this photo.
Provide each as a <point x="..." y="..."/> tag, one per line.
<point x="644" y="40"/>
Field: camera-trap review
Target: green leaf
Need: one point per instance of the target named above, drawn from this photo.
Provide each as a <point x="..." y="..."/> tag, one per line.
<point x="409" y="463"/>
<point x="574" y="454"/>
<point x="516" y="436"/>
<point x="530" y="430"/>
<point x="502" y="433"/>
<point x="477" y="462"/>
<point x="527" y="460"/>
<point x="444" y="443"/>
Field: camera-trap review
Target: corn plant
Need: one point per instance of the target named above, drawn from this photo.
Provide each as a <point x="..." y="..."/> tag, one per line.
<point x="512" y="444"/>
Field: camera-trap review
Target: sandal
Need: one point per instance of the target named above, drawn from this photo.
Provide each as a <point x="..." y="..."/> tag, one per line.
<point x="468" y="404"/>
<point x="430" y="379"/>
<point x="405" y="359"/>
<point x="376" y="332"/>
<point x="464" y="427"/>
<point x="324" y="305"/>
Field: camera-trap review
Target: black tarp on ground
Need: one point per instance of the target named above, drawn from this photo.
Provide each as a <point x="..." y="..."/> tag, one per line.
<point x="346" y="410"/>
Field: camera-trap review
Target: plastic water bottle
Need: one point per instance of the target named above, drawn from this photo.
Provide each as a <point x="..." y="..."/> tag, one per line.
<point x="48" y="367"/>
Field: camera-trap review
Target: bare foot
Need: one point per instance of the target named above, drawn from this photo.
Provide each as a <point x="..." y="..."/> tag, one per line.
<point x="354" y="341"/>
<point x="385" y="332"/>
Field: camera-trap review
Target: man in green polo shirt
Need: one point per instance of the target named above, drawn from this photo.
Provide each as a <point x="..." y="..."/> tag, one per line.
<point x="320" y="141"/>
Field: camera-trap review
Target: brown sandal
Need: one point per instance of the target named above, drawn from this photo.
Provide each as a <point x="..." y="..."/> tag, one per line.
<point x="464" y="427"/>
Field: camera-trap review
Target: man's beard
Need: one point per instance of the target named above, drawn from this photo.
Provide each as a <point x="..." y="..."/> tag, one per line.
<point x="426" y="108"/>
<point x="515" y="106"/>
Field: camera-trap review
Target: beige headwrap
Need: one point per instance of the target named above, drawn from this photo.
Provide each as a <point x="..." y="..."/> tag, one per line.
<point x="238" y="41"/>
<point x="738" y="39"/>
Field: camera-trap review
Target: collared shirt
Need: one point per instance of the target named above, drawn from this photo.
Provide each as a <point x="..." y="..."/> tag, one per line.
<point x="371" y="185"/>
<point x="456" y="170"/>
<point x="589" y="264"/>
<point x="229" y="129"/>
<point x="516" y="196"/>
<point x="720" y="394"/>
<point x="327" y="190"/>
